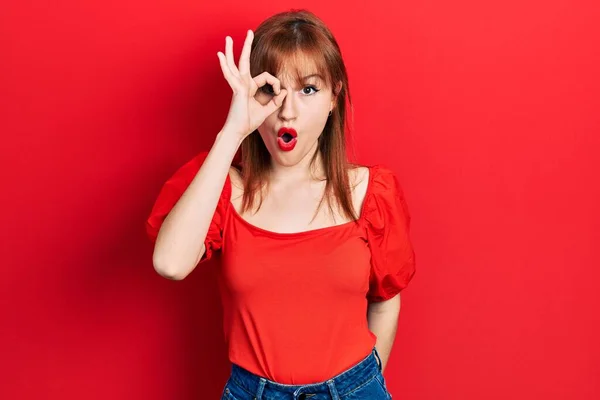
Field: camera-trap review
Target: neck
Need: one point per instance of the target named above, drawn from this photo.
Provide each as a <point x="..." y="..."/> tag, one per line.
<point x="302" y="171"/>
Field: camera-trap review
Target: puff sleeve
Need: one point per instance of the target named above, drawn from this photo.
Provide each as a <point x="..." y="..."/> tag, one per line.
<point x="172" y="191"/>
<point x="388" y="222"/>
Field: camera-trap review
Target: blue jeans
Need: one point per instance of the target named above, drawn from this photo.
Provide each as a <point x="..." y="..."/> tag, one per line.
<point x="361" y="381"/>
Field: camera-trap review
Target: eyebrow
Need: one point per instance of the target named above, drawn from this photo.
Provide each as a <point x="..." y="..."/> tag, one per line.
<point x="310" y="76"/>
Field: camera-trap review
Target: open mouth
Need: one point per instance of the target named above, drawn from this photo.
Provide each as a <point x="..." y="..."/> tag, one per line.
<point x="287" y="138"/>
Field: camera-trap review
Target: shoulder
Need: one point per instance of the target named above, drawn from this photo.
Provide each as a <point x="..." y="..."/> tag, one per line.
<point x="186" y="173"/>
<point x="368" y="180"/>
<point x="374" y="179"/>
<point x="358" y="177"/>
<point x="385" y="197"/>
<point x="384" y="181"/>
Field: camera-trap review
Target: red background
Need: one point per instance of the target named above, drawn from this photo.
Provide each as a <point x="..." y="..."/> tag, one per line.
<point x="487" y="111"/>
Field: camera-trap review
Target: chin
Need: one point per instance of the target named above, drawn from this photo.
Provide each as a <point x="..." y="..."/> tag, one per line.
<point x="291" y="158"/>
<point x="288" y="159"/>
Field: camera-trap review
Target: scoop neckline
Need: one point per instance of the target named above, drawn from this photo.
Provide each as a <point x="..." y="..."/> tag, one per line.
<point x="316" y="230"/>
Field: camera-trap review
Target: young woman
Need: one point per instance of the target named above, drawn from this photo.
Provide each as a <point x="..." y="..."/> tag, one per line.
<point x="315" y="250"/>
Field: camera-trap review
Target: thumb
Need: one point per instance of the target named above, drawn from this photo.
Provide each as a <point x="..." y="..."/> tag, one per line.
<point x="275" y="102"/>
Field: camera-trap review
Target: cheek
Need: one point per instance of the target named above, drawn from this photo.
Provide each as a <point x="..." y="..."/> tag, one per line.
<point x="312" y="112"/>
<point x="268" y="125"/>
<point x="317" y="116"/>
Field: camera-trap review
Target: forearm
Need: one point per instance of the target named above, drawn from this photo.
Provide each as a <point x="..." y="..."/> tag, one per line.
<point x="180" y="242"/>
<point x="382" y="319"/>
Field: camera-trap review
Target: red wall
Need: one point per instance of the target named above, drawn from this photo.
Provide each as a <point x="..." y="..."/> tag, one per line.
<point x="488" y="112"/>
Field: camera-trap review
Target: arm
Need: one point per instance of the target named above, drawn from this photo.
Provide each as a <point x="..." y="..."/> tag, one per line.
<point x="382" y="318"/>
<point x="180" y="241"/>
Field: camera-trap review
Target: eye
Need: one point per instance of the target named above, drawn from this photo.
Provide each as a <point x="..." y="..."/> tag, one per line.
<point x="268" y="89"/>
<point x="310" y="87"/>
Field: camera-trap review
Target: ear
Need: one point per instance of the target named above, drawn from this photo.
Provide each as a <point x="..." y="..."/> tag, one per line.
<point x="336" y="92"/>
<point x="337" y="89"/>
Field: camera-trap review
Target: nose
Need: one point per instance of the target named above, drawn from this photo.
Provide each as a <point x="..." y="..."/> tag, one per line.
<point x="288" y="111"/>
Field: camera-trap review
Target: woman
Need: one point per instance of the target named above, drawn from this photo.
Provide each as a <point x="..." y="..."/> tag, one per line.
<point x="315" y="250"/>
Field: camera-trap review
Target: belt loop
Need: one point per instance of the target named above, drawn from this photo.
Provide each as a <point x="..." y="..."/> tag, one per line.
<point x="332" y="390"/>
<point x="261" y="388"/>
<point x="376" y="353"/>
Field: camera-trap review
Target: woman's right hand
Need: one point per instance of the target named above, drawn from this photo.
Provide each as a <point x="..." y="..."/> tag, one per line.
<point x="246" y="113"/>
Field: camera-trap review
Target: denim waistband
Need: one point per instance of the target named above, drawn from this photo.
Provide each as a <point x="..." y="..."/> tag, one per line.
<point x="337" y="386"/>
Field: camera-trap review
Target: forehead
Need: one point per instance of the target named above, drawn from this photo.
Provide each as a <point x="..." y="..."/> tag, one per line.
<point x="300" y="67"/>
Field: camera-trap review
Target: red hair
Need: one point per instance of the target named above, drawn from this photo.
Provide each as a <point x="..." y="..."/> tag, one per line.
<point x="302" y="39"/>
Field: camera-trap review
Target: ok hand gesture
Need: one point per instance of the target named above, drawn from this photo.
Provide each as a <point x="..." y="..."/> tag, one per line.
<point x="246" y="113"/>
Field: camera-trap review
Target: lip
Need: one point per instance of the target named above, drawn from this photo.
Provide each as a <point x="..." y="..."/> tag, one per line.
<point x="284" y="130"/>
<point x="287" y="146"/>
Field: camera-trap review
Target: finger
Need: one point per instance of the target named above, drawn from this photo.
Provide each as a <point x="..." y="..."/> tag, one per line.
<point x="229" y="54"/>
<point x="225" y="68"/>
<point x="265" y="78"/>
<point x="245" y="57"/>
<point x="275" y="102"/>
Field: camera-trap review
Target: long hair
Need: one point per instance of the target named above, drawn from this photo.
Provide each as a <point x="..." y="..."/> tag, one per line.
<point x="299" y="35"/>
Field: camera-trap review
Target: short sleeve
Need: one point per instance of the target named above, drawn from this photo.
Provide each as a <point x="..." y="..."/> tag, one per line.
<point x="388" y="223"/>
<point x="171" y="192"/>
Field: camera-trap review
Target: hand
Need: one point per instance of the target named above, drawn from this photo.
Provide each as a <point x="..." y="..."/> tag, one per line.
<point x="246" y="113"/>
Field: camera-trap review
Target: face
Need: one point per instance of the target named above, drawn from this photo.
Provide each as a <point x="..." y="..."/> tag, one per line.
<point x="305" y="109"/>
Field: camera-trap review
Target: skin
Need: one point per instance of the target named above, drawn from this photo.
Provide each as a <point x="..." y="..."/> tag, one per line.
<point x="293" y="185"/>
<point x="305" y="109"/>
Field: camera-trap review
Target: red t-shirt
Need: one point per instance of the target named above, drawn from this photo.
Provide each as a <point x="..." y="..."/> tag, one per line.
<point x="295" y="304"/>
